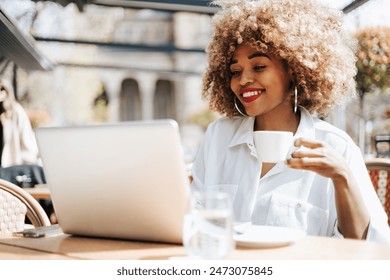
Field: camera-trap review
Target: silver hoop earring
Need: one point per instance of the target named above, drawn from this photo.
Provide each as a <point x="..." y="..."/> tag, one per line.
<point x="295" y="99"/>
<point x="238" y="109"/>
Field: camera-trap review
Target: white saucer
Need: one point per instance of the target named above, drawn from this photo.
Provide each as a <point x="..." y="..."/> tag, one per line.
<point x="268" y="236"/>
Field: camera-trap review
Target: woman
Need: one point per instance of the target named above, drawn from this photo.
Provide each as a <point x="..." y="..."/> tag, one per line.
<point x="282" y="64"/>
<point x="18" y="140"/>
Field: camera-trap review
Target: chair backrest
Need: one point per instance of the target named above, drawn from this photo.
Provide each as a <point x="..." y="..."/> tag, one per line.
<point x="379" y="170"/>
<point x="15" y="204"/>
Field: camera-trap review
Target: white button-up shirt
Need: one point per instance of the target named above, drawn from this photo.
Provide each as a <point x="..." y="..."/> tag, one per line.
<point x="227" y="161"/>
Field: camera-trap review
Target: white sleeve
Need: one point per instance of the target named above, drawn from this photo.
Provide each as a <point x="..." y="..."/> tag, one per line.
<point x="29" y="147"/>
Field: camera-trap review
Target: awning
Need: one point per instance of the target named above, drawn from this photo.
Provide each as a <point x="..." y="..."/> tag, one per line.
<point x="19" y="47"/>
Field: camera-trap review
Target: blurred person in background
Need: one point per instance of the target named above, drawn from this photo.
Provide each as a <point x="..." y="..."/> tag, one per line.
<point x="18" y="143"/>
<point x="20" y="163"/>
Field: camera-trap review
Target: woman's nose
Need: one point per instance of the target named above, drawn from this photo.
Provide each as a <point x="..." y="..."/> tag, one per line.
<point x="246" y="79"/>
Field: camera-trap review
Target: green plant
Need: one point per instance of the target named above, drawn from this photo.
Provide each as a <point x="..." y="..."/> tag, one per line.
<point x="373" y="59"/>
<point x="203" y="118"/>
<point x="373" y="68"/>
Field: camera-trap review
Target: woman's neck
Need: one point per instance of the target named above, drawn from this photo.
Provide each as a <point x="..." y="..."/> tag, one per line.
<point x="282" y="121"/>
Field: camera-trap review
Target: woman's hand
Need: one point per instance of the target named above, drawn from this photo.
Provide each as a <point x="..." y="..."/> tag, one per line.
<point x="320" y="158"/>
<point x="353" y="218"/>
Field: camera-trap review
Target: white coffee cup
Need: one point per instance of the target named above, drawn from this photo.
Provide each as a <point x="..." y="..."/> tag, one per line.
<point x="272" y="146"/>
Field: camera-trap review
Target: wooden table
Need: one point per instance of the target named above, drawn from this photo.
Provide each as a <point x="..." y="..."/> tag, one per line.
<point x="8" y="252"/>
<point x="39" y="192"/>
<point x="64" y="246"/>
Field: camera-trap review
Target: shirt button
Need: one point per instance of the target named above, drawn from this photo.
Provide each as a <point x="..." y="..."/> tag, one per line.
<point x="299" y="205"/>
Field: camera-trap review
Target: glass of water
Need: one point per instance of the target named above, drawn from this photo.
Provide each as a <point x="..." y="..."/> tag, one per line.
<point x="208" y="226"/>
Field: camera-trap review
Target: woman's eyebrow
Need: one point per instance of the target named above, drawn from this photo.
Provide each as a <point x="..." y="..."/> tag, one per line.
<point x="256" y="54"/>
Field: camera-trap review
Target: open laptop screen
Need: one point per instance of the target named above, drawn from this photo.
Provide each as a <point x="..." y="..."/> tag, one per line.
<point x="125" y="180"/>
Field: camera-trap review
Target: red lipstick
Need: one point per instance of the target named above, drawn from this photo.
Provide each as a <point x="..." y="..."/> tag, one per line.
<point x="251" y="98"/>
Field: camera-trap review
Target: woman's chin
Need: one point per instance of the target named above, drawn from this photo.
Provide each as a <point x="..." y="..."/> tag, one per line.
<point x="251" y="113"/>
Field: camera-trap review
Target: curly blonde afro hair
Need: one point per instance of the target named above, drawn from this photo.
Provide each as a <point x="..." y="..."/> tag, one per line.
<point x="306" y="35"/>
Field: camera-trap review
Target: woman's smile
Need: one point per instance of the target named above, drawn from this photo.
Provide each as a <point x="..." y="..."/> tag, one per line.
<point x="251" y="94"/>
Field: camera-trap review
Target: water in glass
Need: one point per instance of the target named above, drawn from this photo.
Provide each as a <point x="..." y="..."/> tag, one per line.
<point x="208" y="226"/>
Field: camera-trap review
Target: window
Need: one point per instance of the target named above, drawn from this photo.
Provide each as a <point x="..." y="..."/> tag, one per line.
<point x="164" y="101"/>
<point x="130" y="101"/>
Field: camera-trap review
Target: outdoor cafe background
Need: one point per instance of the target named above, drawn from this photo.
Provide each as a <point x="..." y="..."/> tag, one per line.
<point x="89" y="63"/>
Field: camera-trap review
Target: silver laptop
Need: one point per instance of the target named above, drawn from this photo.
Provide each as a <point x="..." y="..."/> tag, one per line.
<point x="124" y="180"/>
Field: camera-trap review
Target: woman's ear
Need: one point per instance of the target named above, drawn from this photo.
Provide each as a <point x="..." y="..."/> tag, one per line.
<point x="291" y="73"/>
<point x="292" y="77"/>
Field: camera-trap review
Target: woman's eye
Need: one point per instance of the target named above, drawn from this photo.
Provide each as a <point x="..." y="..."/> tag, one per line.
<point x="234" y="73"/>
<point x="259" y="67"/>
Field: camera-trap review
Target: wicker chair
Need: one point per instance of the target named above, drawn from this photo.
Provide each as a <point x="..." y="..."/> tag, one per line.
<point x="15" y="205"/>
<point x="379" y="170"/>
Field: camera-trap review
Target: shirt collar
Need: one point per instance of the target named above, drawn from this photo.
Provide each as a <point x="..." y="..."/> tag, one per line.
<point x="244" y="133"/>
<point x="306" y="125"/>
